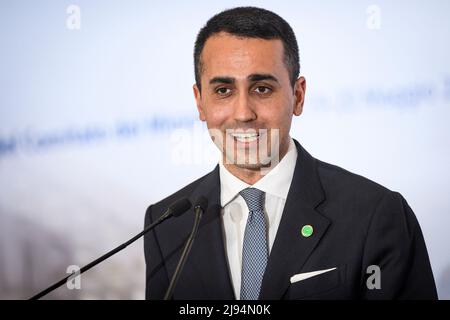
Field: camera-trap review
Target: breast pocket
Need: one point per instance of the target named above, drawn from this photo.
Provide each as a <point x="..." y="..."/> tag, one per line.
<point x="320" y="286"/>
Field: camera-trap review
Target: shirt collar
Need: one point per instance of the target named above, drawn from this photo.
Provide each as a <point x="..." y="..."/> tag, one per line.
<point x="276" y="182"/>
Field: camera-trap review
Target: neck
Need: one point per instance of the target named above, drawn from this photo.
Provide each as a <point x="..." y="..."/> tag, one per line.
<point x="249" y="174"/>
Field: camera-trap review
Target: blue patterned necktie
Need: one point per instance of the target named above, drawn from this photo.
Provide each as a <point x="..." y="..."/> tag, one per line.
<point x="255" y="249"/>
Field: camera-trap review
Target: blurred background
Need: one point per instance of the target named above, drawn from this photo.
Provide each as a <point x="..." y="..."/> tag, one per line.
<point x="98" y="121"/>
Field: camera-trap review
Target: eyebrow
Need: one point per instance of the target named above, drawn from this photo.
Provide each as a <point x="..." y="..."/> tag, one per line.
<point x="262" y="76"/>
<point x="253" y="78"/>
<point x="227" y="80"/>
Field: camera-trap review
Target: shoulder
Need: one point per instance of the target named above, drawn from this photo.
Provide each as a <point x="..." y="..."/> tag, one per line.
<point x="355" y="193"/>
<point x="335" y="178"/>
<point x="362" y="204"/>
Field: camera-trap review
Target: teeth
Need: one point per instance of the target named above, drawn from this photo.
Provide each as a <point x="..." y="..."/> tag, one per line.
<point x="245" y="137"/>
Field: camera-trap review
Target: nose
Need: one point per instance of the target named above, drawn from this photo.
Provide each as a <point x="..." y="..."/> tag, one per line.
<point x="243" y="109"/>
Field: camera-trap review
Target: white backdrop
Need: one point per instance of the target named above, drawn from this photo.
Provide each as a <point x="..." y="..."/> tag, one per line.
<point x="98" y="120"/>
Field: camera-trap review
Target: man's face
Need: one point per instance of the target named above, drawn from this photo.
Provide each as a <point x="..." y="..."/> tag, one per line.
<point x="245" y="88"/>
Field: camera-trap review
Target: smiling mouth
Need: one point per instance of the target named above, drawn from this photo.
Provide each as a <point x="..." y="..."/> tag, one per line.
<point x="245" y="137"/>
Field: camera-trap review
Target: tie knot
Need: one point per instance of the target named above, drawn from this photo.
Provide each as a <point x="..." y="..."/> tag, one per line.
<point x="254" y="198"/>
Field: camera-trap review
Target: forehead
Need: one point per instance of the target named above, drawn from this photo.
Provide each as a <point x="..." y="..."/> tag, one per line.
<point x="229" y="55"/>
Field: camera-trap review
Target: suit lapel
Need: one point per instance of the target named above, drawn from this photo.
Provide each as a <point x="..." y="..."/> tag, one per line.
<point x="291" y="250"/>
<point x="208" y="252"/>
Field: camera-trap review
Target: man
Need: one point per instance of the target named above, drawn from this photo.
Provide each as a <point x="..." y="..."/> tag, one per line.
<point x="280" y="224"/>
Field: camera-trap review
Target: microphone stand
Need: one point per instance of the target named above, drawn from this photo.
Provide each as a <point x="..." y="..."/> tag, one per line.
<point x="175" y="210"/>
<point x="201" y="204"/>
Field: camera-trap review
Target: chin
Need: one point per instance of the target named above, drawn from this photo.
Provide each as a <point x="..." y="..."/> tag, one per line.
<point x="254" y="165"/>
<point x="248" y="166"/>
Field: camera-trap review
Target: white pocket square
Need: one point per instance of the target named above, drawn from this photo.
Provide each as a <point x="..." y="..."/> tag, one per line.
<point x="303" y="276"/>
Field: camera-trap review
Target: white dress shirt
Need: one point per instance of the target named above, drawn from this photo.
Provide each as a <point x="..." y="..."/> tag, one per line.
<point x="275" y="184"/>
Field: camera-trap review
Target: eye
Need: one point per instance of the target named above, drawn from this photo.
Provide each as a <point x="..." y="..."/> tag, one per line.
<point x="223" y="90"/>
<point x="262" y="90"/>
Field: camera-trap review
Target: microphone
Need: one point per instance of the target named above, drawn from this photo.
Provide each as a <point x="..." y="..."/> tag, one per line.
<point x="199" y="208"/>
<point x="175" y="209"/>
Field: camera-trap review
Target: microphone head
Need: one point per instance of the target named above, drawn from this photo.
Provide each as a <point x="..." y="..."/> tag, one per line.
<point x="201" y="203"/>
<point x="179" y="207"/>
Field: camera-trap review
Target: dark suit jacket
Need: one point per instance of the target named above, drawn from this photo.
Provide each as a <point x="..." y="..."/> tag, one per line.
<point x="357" y="223"/>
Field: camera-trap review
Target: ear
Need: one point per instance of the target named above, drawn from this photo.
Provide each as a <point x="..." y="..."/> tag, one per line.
<point x="299" y="95"/>
<point x="198" y="100"/>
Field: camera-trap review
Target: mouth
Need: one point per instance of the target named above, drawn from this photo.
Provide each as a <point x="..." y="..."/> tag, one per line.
<point x="245" y="137"/>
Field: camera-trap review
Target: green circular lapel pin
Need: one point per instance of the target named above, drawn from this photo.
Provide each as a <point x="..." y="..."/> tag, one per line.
<point x="307" y="230"/>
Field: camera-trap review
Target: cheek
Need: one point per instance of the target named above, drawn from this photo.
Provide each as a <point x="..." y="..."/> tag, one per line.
<point x="286" y="114"/>
<point x="278" y="116"/>
<point x="217" y="114"/>
<point x="216" y="118"/>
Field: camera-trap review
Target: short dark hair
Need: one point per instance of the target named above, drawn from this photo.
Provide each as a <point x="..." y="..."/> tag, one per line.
<point x="250" y="22"/>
